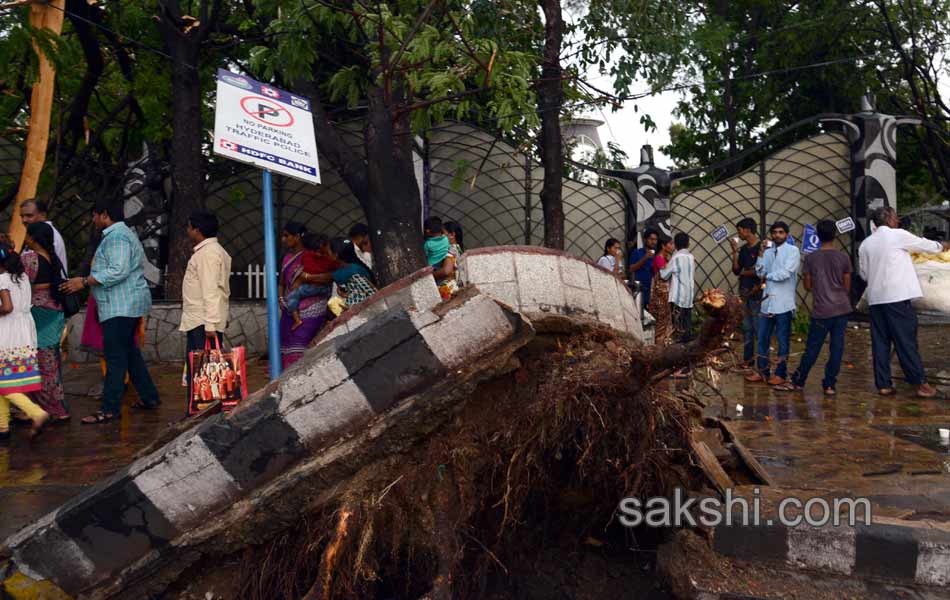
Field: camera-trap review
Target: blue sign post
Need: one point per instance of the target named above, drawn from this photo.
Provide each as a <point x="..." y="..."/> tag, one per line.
<point x="270" y="281"/>
<point x="270" y="128"/>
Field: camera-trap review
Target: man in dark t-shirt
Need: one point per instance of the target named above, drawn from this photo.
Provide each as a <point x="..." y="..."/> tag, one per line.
<point x="827" y="274"/>
<point x="743" y="265"/>
<point x="641" y="264"/>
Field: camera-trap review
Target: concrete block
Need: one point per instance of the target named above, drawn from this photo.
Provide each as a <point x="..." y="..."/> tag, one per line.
<point x="44" y="551"/>
<point x="825" y="549"/>
<point x="627" y="300"/>
<point x="933" y="562"/>
<point x="606" y="299"/>
<point x="539" y="282"/>
<point x="114" y="522"/>
<point x="574" y="272"/>
<point x="505" y="292"/>
<point x="186" y="482"/>
<point x="334" y="413"/>
<point x="484" y="268"/>
<point x="306" y="380"/>
<point x="464" y="332"/>
<point x="634" y="326"/>
<point x="425" y="294"/>
<point x="577" y="299"/>
<point x="252" y="444"/>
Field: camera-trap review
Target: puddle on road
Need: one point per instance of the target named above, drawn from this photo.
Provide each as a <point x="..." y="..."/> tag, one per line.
<point x="927" y="436"/>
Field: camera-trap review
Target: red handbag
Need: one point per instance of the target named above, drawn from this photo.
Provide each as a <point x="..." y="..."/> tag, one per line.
<point x="216" y="375"/>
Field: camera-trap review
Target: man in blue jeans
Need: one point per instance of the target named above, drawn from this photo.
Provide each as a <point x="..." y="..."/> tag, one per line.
<point x="827" y="274"/>
<point x="743" y="266"/>
<point x="777" y="267"/>
<point x="117" y="281"/>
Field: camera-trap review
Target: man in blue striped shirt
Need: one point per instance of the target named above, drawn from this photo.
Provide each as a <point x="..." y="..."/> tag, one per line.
<point x="117" y="282"/>
<point x="777" y="266"/>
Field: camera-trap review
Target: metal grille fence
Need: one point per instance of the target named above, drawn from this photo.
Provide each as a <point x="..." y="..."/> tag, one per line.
<point x="465" y="175"/>
<point x="801" y="184"/>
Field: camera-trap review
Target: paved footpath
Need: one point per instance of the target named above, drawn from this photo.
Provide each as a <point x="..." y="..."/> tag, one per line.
<point x="37" y="477"/>
<point x="856" y="444"/>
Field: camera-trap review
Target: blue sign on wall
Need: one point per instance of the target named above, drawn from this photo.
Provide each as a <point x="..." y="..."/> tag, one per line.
<point x="810" y="241"/>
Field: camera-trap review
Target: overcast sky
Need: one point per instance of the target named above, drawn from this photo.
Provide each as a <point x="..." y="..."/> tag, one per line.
<point x="623" y="126"/>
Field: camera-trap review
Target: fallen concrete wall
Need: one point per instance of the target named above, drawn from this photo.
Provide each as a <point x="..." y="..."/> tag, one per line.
<point x="395" y="361"/>
<point x="339" y="388"/>
<point x="540" y="283"/>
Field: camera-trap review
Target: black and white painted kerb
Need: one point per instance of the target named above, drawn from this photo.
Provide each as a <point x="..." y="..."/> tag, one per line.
<point x="339" y="387"/>
<point x="890" y="549"/>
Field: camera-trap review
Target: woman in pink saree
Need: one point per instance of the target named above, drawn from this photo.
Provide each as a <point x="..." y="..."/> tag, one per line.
<point x="313" y="310"/>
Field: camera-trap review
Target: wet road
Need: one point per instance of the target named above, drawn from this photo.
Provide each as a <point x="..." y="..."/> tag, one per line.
<point x="37" y="476"/>
<point x="808" y="441"/>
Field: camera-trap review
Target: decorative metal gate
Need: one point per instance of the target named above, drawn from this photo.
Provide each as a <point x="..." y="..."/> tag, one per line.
<point x="801" y="184"/>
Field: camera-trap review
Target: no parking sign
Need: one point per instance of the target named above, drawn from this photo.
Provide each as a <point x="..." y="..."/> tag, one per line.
<point x="265" y="126"/>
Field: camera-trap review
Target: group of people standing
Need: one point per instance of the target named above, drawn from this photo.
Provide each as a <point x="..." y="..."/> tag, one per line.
<point x="319" y="279"/>
<point x="666" y="272"/>
<point x="768" y="280"/>
<point x="768" y="275"/>
<point x="35" y="294"/>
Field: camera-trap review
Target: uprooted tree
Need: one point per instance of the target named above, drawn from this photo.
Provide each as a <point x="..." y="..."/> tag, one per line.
<point x="556" y="431"/>
<point x="561" y="438"/>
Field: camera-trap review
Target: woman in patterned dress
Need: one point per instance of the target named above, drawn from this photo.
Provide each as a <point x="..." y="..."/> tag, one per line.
<point x="659" y="305"/>
<point x="43" y="268"/>
<point x="19" y="368"/>
<point x="354" y="280"/>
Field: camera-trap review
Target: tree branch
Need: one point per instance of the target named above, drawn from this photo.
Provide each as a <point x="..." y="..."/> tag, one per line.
<point x="412" y="33"/>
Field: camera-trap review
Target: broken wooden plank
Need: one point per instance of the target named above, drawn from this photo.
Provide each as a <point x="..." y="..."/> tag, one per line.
<point x="750" y="461"/>
<point x="710" y="466"/>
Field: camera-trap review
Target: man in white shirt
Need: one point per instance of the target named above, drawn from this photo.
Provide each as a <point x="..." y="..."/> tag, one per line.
<point x="886" y="265"/>
<point x="34" y="211"/>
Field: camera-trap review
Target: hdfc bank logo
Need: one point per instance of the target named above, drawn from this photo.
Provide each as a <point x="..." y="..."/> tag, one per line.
<point x="269" y="91"/>
<point x="229" y="146"/>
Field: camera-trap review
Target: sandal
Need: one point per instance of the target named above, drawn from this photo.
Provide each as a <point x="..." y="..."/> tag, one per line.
<point x="830" y="391"/>
<point x="887" y="391"/>
<point x="787" y="386"/>
<point x="97" y="418"/>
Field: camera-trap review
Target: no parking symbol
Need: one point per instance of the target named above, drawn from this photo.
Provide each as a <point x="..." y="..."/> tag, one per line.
<point x="267" y="111"/>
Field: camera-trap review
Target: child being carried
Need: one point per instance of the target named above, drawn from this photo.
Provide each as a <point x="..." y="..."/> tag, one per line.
<point x="440" y="257"/>
<point x="316" y="261"/>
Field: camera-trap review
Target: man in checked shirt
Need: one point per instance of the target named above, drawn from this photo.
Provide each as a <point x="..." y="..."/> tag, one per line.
<point x="117" y="281"/>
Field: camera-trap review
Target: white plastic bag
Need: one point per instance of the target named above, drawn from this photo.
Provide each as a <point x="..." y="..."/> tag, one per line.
<point x="934" y="278"/>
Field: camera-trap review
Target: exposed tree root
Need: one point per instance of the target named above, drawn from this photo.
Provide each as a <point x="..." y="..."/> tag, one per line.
<point x="577" y="428"/>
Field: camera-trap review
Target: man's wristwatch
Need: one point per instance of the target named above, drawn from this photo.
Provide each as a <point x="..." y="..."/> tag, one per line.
<point x="85" y="282"/>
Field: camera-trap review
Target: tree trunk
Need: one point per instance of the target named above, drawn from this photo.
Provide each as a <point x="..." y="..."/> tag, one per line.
<point x="41" y="104"/>
<point x="392" y="203"/>
<point x="186" y="160"/>
<point x="550" y="98"/>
